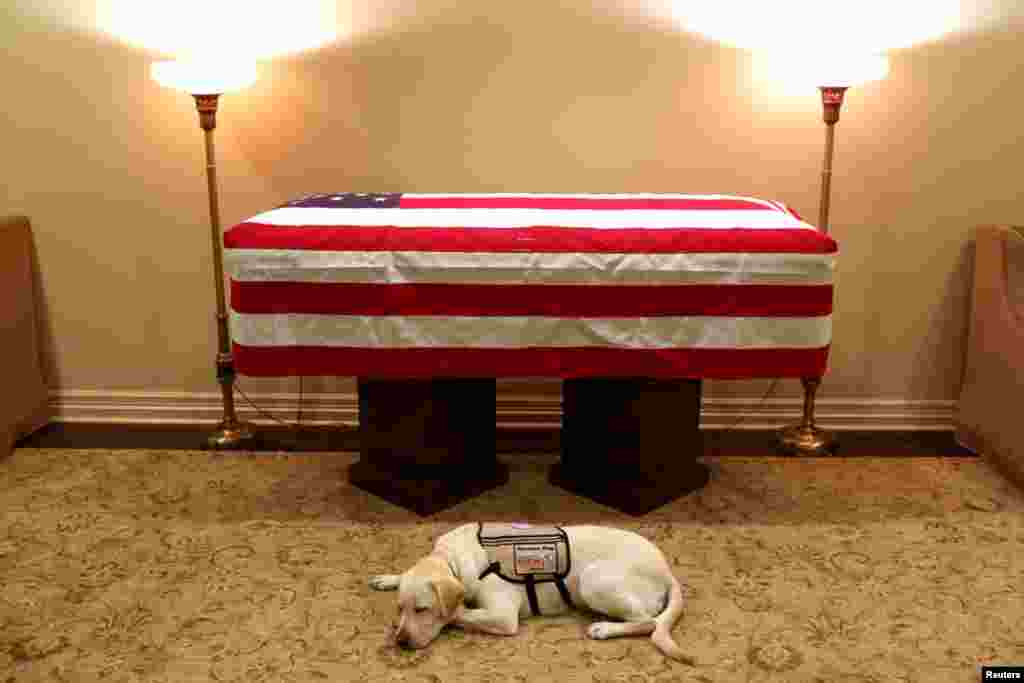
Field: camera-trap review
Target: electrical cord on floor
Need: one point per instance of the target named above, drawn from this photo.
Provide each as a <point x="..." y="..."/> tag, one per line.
<point x="718" y="432"/>
<point x="293" y="425"/>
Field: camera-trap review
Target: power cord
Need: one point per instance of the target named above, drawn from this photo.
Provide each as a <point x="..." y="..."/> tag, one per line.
<point x="719" y="432"/>
<point x="294" y="425"/>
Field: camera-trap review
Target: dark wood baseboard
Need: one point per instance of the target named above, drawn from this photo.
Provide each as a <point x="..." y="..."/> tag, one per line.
<point x="755" y="443"/>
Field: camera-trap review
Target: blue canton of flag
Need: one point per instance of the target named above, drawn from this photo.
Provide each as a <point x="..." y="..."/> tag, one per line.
<point x="349" y="200"/>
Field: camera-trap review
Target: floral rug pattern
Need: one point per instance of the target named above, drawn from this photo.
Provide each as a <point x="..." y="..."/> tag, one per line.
<point x="167" y="566"/>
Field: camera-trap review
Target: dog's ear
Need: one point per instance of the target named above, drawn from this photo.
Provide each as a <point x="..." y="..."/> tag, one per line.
<point x="450" y="594"/>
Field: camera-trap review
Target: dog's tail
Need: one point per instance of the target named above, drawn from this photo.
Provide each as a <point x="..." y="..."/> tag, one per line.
<point x="663" y="623"/>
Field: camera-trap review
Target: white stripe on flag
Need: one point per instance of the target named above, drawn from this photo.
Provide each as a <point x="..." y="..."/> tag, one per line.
<point x="525" y="218"/>
<point x="518" y="332"/>
<point x="493" y="268"/>
<point x="613" y="196"/>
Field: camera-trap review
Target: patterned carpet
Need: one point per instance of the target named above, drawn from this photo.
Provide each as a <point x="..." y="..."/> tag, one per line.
<point x="191" y="566"/>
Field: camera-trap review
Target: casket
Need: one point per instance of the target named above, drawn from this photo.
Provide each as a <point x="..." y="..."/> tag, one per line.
<point x="505" y="285"/>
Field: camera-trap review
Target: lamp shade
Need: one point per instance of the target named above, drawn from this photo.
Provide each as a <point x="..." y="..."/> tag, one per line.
<point x="204" y="78"/>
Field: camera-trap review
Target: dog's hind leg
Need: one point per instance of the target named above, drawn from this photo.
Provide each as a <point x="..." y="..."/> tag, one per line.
<point x="611" y="588"/>
<point x="601" y="630"/>
<point x="385" y="582"/>
<point x="643" y="601"/>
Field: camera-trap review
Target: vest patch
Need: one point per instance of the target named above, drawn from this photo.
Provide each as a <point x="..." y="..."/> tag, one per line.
<point x="536" y="559"/>
<point x="527" y="554"/>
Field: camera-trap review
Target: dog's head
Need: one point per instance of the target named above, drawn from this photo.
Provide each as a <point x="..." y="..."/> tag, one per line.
<point x="429" y="597"/>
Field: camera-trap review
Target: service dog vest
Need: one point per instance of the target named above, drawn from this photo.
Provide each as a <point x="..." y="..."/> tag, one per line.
<point x="527" y="555"/>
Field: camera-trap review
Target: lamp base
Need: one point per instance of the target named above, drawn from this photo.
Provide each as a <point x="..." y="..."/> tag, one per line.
<point x="230" y="434"/>
<point x="806" y="441"/>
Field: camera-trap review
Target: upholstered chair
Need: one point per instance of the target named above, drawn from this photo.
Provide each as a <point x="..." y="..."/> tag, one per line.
<point x="24" y="399"/>
<point x="990" y="419"/>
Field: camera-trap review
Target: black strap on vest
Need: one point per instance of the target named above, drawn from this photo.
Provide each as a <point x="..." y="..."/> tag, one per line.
<point x="531" y="588"/>
<point x="564" y="592"/>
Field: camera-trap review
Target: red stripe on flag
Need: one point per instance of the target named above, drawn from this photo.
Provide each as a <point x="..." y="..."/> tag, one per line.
<point x="547" y="362"/>
<point x="593" y="203"/>
<point x="568" y="301"/>
<point x="535" y="239"/>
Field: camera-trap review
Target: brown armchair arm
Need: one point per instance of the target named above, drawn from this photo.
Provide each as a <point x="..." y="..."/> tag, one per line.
<point x="24" y="401"/>
<point x="990" y="420"/>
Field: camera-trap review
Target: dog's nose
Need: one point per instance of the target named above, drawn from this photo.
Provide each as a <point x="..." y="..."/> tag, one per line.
<point x="403" y="640"/>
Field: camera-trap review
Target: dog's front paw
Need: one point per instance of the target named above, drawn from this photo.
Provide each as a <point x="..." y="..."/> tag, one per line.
<point x="600" y="630"/>
<point x="384" y="582"/>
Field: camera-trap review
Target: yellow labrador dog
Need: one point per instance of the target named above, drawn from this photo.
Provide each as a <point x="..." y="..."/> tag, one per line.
<point x="614" y="572"/>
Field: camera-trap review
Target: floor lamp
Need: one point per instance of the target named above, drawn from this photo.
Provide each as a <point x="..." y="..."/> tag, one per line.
<point x="206" y="84"/>
<point x="806" y="438"/>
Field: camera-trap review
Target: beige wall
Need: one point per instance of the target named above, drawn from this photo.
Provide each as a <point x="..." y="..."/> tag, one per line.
<point x="524" y="96"/>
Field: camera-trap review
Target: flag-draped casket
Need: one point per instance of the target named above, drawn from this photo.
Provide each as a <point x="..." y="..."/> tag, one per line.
<point x="502" y="285"/>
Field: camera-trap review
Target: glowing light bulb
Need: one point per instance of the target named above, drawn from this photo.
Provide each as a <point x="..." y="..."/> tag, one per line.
<point x="209" y="77"/>
<point x="798" y="73"/>
<point x="246" y="30"/>
<point x="865" y="26"/>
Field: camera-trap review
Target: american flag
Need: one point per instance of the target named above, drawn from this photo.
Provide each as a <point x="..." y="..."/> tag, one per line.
<point x="568" y="285"/>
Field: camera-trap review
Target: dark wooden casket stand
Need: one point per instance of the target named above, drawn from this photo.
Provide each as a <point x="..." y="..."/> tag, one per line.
<point x="630" y="443"/>
<point x="427" y="444"/>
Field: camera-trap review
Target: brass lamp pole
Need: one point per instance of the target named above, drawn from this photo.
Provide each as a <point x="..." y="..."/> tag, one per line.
<point x="806" y="438"/>
<point x="841" y="70"/>
<point x="231" y="432"/>
<point x="831" y="103"/>
<point x="206" y="85"/>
